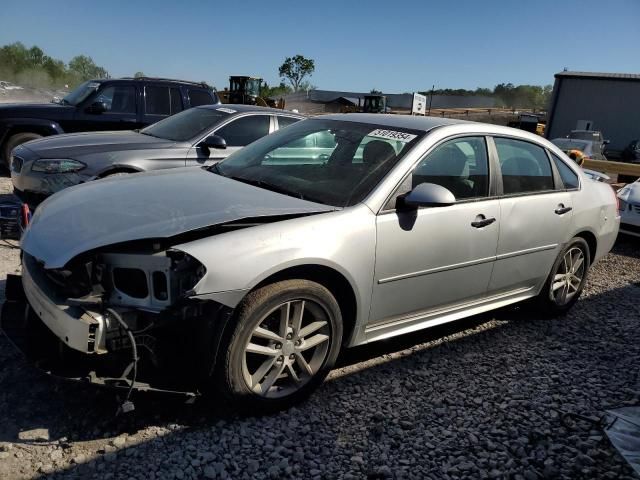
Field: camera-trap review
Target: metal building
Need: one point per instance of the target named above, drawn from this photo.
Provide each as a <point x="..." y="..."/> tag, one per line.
<point x="609" y="102"/>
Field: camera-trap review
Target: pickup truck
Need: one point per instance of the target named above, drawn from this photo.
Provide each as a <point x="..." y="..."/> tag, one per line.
<point x="105" y="104"/>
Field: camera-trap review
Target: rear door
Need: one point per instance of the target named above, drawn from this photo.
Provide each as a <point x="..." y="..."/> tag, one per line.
<point x="160" y="101"/>
<point x="536" y="214"/>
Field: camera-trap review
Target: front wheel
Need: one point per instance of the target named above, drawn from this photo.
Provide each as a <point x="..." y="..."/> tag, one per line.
<point x="14" y="141"/>
<point x="567" y="278"/>
<point x="285" y="341"/>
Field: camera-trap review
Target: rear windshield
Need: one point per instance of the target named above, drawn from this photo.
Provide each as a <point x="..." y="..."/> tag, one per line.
<point x="187" y="125"/>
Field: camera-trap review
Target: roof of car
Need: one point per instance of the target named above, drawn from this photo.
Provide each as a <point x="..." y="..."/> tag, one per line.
<point x="398" y="121"/>
<point x="249" y="108"/>
<point x="153" y="80"/>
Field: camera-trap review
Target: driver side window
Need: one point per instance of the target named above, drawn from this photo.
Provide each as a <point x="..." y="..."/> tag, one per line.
<point x="118" y="99"/>
<point x="460" y="165"/>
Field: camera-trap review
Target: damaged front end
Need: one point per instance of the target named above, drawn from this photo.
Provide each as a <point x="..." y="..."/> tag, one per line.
<point x="120" y="317"/>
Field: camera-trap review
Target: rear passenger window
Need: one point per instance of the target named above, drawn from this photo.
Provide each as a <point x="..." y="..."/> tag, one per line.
<point x="200" y="97"/>
<point x="176" y="101"/>
<point x="569" y="177"/>
<point x="156" y="101"/>
<point x="525" y="167"/>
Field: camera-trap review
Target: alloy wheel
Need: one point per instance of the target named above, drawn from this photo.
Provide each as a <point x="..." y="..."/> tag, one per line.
<point x="286" y="348"/>
<point x="568" y="277"/>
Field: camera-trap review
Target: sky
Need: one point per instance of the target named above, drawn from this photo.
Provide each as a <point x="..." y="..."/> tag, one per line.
<point x="394" y="46"/>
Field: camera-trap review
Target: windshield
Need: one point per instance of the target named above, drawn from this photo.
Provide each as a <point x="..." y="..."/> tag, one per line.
<point x="332" y="162"/>
<point x="186" y="125"/>
<point x="570" y="144"/>
<point x="80" y="93"/>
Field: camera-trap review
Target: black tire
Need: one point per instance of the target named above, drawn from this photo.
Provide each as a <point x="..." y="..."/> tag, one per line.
<point x="13" y="142"/>
<point x="547" y="301"/>
<point x="257" y="309"/>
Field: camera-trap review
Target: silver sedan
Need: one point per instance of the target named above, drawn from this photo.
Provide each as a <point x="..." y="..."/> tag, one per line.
<point x="194" y="137"/>
<point x="249" y="277"/>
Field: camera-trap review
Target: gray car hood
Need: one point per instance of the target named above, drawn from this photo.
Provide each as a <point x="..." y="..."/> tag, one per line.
<point x="157" y="204"/>
<point x="74" y="145"/>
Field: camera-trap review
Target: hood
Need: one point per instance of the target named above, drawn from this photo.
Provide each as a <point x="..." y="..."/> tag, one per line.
<point x="630" y="193"/>
<point x="49" y="111"/>
<point x="74" y="145"/>
<point x="157" y="204"/>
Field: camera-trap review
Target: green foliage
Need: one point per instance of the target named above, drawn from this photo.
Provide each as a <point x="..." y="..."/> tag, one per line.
<point x="373" y="91"/>
<point x="274" y="92"/>
<point x="507" y="95"/>
<point x="139" y="74"/>
<point x="295" y="69"/>
<point x="33" y="68"/>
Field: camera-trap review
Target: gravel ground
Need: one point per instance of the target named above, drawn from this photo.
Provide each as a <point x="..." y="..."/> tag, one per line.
<point x="481" y="398"/>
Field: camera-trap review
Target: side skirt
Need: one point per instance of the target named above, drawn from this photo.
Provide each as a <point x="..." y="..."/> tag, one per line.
<point x="419" y="320"/>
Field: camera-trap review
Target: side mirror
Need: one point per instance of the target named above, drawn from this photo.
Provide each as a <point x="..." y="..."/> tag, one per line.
<point x="97" y="107"/>
<point x="429" y="195"/>
<point x="606" y="142"/>
<point x="213" y="141"/>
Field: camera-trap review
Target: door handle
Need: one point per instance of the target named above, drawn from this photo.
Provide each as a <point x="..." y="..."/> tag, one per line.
<point x="128" y="120"/>
<point x="561" y="210"/>
<point x="483" y="222"/>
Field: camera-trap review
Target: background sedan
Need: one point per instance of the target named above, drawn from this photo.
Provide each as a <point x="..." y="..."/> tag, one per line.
<point x="198" y="136"/>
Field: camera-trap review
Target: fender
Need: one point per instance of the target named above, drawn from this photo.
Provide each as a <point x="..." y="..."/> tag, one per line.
<point x="50" y="127"/>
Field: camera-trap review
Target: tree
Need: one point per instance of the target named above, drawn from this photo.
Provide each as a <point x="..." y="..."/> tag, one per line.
<point x="274" y="92"/>
<point x="373" y="91"/>
<point x="86" y="69"/>
<point x="295" y="69"/>
<point x="139" y="74"/>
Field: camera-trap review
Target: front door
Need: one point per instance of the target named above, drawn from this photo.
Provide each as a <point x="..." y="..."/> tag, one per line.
<point x="535" y="217"/>
<point x="121" y="110"/>
<point x="430" y="260"/>
<point x="238" y="133"/>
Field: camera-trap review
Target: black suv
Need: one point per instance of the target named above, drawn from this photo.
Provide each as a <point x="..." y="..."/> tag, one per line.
<point x="107" y="104"/>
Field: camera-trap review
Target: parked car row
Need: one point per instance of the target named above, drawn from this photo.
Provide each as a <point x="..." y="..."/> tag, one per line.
<point x="194" y="137"/>
<point x="247" y="276"/>
<point x="106" y="104"/>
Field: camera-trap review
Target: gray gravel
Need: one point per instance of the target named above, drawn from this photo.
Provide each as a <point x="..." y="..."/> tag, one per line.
<point x="481" y="398"/>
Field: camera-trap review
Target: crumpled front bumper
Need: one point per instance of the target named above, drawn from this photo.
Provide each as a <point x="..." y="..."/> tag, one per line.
<point x="79" y="328"/>
<point x="69" y="341"/>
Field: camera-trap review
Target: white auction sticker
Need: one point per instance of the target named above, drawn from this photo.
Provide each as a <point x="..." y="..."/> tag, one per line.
<point x="226" y="110"/>
<point x="392" y="135"/>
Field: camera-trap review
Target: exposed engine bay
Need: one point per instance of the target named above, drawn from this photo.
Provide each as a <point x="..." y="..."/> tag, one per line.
<point x="128" y="313"/>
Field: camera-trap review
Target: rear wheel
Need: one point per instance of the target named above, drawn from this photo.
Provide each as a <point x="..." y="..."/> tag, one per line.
<point x="286" y="340"/>
<point x="13" y="142"/>
<point x="567" y="278"/>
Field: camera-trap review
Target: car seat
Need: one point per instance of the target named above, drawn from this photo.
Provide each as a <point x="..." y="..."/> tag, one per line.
<point x="447" y="167"/>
